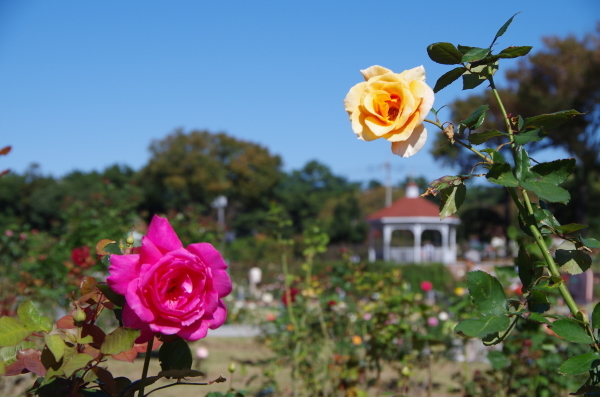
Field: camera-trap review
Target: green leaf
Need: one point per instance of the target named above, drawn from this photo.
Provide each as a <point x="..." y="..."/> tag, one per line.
<point x="514" y="52"/>
<point x="451" y="199"/>
<point x="589" y="242"/>
<point x="530" y="136"/>
<point x="571" y="331"/>
<point x="545" y="220"/>
<point x="579" y="364"/>
<point x="475" y="54"/>
<point x="547" y="191"/>
<point x="570" y="228"/>
<point x="56" y="345"/>
<point x="9" y="353"/>
<point x="596" y="316"/>
<point x="482" y="327"/>
<point x="548" y="284"/>
<point x="538" y="302"/>
<point x="554" y="172"/>
<point x="12" y="331"/>
<point x="528" y="273"/>
<point x="476" y="118"/>
<point x="175" y="355"/>
<point x="551" y="120"/>
<point x="444" y="53"/>
<point x="448" y="78"/>
<point x="498" y="360"/>
<point x="521" y="164"/>
<point x="502" y="30"/>
<point x="471" y="80"/>
<point x="120" y="340"/>
<point x="464" y="49"/>
<point x="537" y="317"/>
<point x="501" y="174"/>
<point x="487" y="294"/>
<point x="495" y="155"/>
<point x="571" y="260"/>
<point x="77" y="362"/>
<point x="31" y="319"/>
<point x="482" y="137"/>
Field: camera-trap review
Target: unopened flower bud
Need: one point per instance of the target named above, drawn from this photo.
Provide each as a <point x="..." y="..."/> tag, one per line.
<point x="79" y="315"/>
<point x="231" y="367"/>
<point x="130" y="240"/>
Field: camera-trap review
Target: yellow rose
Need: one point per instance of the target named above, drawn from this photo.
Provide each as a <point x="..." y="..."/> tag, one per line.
<point x="392" y="106"/>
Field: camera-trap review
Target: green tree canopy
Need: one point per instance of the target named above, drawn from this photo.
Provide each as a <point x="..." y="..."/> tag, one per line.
<point x="196" y="167"/>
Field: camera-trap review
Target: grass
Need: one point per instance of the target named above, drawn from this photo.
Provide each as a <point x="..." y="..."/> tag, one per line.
<point x="252" y="377"/>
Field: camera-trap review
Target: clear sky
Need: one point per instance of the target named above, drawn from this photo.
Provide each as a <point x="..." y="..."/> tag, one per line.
<point x="87" y="84"/>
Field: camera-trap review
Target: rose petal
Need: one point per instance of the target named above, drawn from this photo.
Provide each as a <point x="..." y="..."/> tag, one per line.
<point x="149" y="252"/>
<point x="196" y="331"/>
<point x="219" y="316"/>
<point x="208" y="254"/>
<point x="373" y="71"/>
<point x="161" y="233"/>
<point x="221" y="283"/>
<point x="413" y="144"/>
<point x="123" y="270"/>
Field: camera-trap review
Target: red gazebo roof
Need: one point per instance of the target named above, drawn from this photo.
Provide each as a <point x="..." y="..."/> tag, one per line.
<point x="407" y="207"/>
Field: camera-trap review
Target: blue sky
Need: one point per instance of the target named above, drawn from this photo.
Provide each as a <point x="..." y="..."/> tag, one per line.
<point x="87" y="84"/>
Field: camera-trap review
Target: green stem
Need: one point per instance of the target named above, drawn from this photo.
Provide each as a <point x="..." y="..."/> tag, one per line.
<point x="471" y="148"/>
<point x="146" y="365"/>
<point x="552" y="267"/>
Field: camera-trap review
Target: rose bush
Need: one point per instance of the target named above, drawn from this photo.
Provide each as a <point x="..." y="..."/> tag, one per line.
<point x="168" y="288"/>
<point x="391" y="106"/>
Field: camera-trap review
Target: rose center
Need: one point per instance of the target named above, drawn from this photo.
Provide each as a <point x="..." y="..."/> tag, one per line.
<point x="393" y="113"/>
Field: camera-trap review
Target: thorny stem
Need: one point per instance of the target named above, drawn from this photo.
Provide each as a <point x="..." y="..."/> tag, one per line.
<point x="471" y="148"/>
<point x="146" y="366"/>
<point x="552" y="267"/>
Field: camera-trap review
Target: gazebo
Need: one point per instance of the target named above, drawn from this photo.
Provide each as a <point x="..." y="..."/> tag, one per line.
<point x="416" y="215"/>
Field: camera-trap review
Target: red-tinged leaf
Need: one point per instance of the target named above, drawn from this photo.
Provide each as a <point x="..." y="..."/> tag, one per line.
<point x="142" y="347"/>
<point x="100" y="252"/>
<point x="35" y="365"/>
<point x="87" y="285"/>
<point x="92" y="351"/>
<point x="5" y="150"/>
<point x="16" y="368"/>
<point x="4" y="172"/>
<point x="128" y="355"/>
<point x="66" y="322"/>
<point x="108" y="382"/>
<point x="95" y="332"/>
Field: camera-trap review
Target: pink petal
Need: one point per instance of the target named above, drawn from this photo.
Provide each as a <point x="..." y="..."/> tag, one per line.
<point x="135" y="303"/>
<point x="162" y="235"/>
<point x="123" y="270"/>
<point x="209" y="255"/>
<point x="149" y="253"/>
<point x="221" y="283"/>
<point x="219" y="316"/>
<point x="196" y="331"/>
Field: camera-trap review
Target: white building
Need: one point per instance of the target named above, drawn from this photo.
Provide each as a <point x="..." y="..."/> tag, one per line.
<point x="412" y="217"/>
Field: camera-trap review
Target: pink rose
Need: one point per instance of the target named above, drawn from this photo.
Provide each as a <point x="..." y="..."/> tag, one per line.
<point x="426" y="286"/>
<point x="168" y="288"/>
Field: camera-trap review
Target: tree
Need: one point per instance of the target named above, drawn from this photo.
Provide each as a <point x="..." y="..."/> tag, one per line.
<point x="562" y="75"/>
<point x="305" y="193"/>
<point x="192" y="169"/>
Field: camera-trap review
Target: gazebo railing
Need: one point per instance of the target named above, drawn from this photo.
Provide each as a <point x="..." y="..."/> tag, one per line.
<point x="407" y="255"/>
